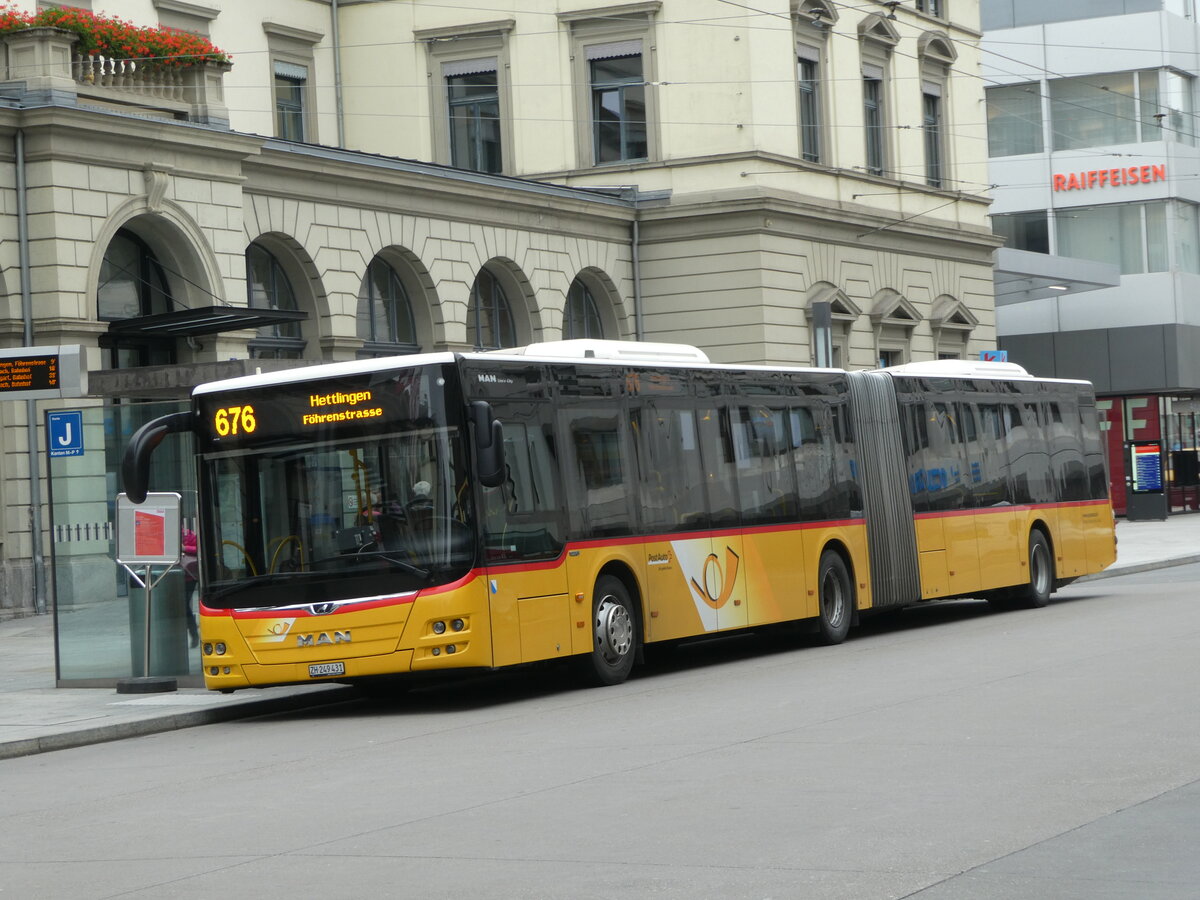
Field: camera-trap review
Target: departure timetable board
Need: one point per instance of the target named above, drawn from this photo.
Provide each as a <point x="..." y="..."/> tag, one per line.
<point x="32" y="373"/>
<point x="29" y="373"/>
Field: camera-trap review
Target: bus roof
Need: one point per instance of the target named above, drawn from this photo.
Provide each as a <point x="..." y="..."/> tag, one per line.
<point x="623" y="351"/>
<point x="962" y="368"/>
<point x="588" y="351"/>
<point x="324" y="370"/>
<point x="971" y="368"/>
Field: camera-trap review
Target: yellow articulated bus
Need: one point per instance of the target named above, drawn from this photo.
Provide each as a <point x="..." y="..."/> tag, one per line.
<point x="585" y="499"/>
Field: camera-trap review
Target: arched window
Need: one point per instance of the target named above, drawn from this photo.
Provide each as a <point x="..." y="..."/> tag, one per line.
<point x="489" y="319"/>
<point x="385" y="321"/>
<point x="581" y="318"/>
<point x="132" y="284"/>
<point x="268" y="287"/>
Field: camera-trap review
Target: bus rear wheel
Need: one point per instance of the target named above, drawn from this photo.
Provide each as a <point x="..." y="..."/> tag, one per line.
<point x="1037" y="592"/>
<point x="614" y="634"/>
<point x="835" y="598"/>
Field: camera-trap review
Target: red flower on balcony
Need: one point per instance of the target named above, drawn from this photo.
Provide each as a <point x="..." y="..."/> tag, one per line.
<point x="151" y="47"/>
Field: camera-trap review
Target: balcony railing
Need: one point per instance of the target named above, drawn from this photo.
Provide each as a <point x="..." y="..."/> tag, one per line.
<point x="44" y="61"/>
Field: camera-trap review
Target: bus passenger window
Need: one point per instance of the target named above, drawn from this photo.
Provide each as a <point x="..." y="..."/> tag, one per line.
<point x="1066" y="451"/>
<point x="599" y="492"/>
<point x="943" y="469"/>
<point x="720" y="466"/>
<point x="987" y="459"/>
<point x="1093" y="452"/>
<point x="766" y="477"/>
<point x="671" y="477"/>
<point x="521" y="516"/>
<point x="812" y="454"/>
<point x="1028" y="455"/>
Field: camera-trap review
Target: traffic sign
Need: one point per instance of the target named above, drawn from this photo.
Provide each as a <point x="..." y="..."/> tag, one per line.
<point x="993" y="355"/>
<point x="64" y="433"/>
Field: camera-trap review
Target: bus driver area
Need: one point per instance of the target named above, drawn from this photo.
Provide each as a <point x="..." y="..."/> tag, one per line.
<point x="585" y="498"/>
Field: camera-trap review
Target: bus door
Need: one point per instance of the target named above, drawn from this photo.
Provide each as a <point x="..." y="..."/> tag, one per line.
<point x="600" y="497"/>
<point x="947" y="447"/>
<point x="718" y="582"/>
<point x="773" y="441"/>
<point x="1062" y="432"/>
<point x="945" y="523"/>
<point x="996" y="522"/>
<point x="673" y="506"/>
<point x="1098" y="520"/>
<point x="524" y="540"/>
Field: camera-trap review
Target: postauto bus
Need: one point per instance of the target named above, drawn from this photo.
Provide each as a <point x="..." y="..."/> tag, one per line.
<point x="586" y="499"/>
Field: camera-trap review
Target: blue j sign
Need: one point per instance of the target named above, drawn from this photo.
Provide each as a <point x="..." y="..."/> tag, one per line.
<point x="64" y="433"/>
<point x="993" y="355"/>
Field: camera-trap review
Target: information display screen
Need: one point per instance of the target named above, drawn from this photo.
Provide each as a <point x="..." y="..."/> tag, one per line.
<point x="29" y="373"/>
<point x="1146" y="467"/>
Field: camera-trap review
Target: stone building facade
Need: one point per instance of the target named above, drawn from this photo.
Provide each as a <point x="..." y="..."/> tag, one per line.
<point x="164" y="228"/>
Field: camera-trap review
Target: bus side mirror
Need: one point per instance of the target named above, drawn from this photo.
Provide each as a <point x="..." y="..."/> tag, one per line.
<point x="135" y="464"/>
<point x="489" y="444"/>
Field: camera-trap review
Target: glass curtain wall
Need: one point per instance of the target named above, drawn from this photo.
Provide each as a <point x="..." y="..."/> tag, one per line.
<point x="1140" y="237"/>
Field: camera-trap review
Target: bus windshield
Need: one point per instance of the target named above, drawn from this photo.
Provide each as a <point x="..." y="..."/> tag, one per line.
<point x="316" y="522"/>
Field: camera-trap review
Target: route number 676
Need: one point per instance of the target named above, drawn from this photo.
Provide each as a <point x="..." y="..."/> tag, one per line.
<point x="234" y="420"/>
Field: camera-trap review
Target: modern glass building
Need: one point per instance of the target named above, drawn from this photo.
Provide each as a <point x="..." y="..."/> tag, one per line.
<point x="1092" y="143"/>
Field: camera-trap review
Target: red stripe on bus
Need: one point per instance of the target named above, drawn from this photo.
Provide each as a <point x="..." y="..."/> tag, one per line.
<point x="1024" y="507"/>
<point x="714" y="533"/>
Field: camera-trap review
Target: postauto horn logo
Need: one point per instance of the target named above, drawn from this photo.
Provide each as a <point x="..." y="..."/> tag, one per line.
<point x="717" y="582"/>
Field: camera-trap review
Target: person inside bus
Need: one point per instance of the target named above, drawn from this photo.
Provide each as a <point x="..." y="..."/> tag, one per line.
<point x="421" y="503"/>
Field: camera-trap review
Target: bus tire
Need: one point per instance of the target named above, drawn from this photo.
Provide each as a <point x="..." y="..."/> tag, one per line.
<point x="1036" y="593"/>
<point x="614" y="634"/>
<point x="835" y="599"/>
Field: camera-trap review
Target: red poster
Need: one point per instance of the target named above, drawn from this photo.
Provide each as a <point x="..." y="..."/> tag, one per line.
<point x="149" y="533"/>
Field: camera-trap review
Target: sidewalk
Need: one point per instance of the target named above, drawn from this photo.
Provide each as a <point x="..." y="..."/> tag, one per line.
<point x="36" y="717"/>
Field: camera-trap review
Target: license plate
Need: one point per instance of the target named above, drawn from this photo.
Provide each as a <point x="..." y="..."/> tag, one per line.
<point x="322" y="670"/>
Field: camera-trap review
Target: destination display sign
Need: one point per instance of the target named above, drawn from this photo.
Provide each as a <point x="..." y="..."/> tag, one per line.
<point x="325" y="409"/>
<point x="35" y="373"/>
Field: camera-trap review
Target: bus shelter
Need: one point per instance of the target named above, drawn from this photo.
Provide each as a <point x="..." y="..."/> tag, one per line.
<point x="99" y="619"/>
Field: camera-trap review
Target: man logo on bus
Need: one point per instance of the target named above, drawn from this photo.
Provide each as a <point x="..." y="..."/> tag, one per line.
<point x="323" y="638"/>
<point x="715" y="579"/>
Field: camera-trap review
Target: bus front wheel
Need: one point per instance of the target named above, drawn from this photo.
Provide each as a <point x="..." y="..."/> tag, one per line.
<point x="835" y="597"/>
<point x="614" y="634"/>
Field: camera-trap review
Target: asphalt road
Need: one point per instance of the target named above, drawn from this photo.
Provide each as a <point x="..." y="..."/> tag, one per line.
<point x="948" y="752"/>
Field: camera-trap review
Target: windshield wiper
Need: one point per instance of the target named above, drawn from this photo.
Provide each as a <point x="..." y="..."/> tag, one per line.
<point x="387" y="555"/>
<point x="390" y="556"/>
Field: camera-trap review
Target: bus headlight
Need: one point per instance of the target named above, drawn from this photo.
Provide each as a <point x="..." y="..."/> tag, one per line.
<point x="439" y="627"/>
<point x="458" y="625"/>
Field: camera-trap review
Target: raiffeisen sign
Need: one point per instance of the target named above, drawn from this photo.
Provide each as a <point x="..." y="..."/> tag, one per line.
<point x="1101" y="178"/>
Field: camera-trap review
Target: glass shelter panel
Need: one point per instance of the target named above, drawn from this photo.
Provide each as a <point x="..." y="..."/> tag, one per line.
<point x="99" y="610"/>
